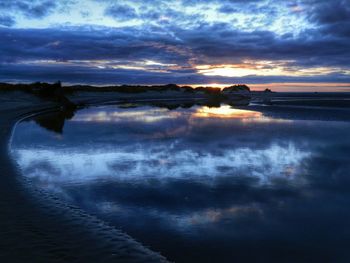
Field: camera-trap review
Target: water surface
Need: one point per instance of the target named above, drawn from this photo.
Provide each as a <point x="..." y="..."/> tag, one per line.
<point x="198" y="183"/>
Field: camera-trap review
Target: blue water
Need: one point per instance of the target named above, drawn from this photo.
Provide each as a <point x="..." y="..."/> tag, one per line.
<point x="201" y="184"/>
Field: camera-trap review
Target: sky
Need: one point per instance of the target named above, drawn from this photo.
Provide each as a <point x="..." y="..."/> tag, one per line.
<point x="258" y="42"/>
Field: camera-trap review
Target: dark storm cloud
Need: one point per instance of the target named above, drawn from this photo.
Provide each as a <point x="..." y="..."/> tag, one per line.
<point x="121" y="12"/>
<point x="227" y="9"/>
<point x="82" y="43"/>
<point x="209" y="43"/>
<point x="6" y="20"/>
<point x="331" y="17"/>
<point x="162" y="38"/>
<point x="34" y="9"/>
<point x="330" y="12"/>
<point x="219" y="43"/>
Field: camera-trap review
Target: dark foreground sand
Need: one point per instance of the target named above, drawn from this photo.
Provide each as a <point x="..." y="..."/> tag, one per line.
<point x="38" y="227"/>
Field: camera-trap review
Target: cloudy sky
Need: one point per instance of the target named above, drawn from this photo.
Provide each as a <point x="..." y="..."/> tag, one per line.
<point x="184" y="41"/>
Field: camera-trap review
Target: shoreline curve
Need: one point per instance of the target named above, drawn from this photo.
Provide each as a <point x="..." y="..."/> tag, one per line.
<point x="38" y="227"/>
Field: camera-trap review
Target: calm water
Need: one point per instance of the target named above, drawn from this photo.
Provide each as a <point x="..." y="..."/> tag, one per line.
<point x="201" y="184"/>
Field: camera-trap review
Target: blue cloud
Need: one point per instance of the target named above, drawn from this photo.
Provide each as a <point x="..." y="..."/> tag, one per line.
<point x="6" y="21"/>
<point x="32" y="9"/>
<point x="121" y="12"/>
<point x="166" y="42"/>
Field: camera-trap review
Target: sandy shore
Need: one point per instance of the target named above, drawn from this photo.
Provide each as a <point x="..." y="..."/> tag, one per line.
<point x="37" y="227"/>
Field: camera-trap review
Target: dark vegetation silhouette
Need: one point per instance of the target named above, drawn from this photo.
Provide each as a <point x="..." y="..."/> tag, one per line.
<point x="56" y="90"/>
<point x="54" y="121"/>
<point x="57" y="93"/>
<point x="236" y="88"/>
<point x="52" y="92"/>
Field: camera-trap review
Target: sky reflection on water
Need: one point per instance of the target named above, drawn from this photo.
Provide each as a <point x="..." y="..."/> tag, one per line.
<point x="202" y="184"/>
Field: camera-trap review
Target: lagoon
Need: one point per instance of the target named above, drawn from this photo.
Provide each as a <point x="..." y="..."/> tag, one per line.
<point x="201" y="183"/>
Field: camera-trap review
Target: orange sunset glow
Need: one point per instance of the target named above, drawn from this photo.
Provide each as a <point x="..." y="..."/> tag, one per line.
<point x="226" y="112"/>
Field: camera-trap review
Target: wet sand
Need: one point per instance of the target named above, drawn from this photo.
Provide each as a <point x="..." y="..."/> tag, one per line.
<point x="37" y="227"/>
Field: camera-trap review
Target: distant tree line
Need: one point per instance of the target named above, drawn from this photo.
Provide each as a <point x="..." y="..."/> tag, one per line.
<point x="56" y="89"/>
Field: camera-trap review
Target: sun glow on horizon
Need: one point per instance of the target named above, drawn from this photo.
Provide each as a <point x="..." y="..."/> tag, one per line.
<point x="226" y="112"/>
<point x="236" y="71"/>
<point x="265" y="68"/>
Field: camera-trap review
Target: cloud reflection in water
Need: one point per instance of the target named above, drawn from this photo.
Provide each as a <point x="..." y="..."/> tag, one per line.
<point x="214" y="183"/>
<point x="138" y="166"/>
